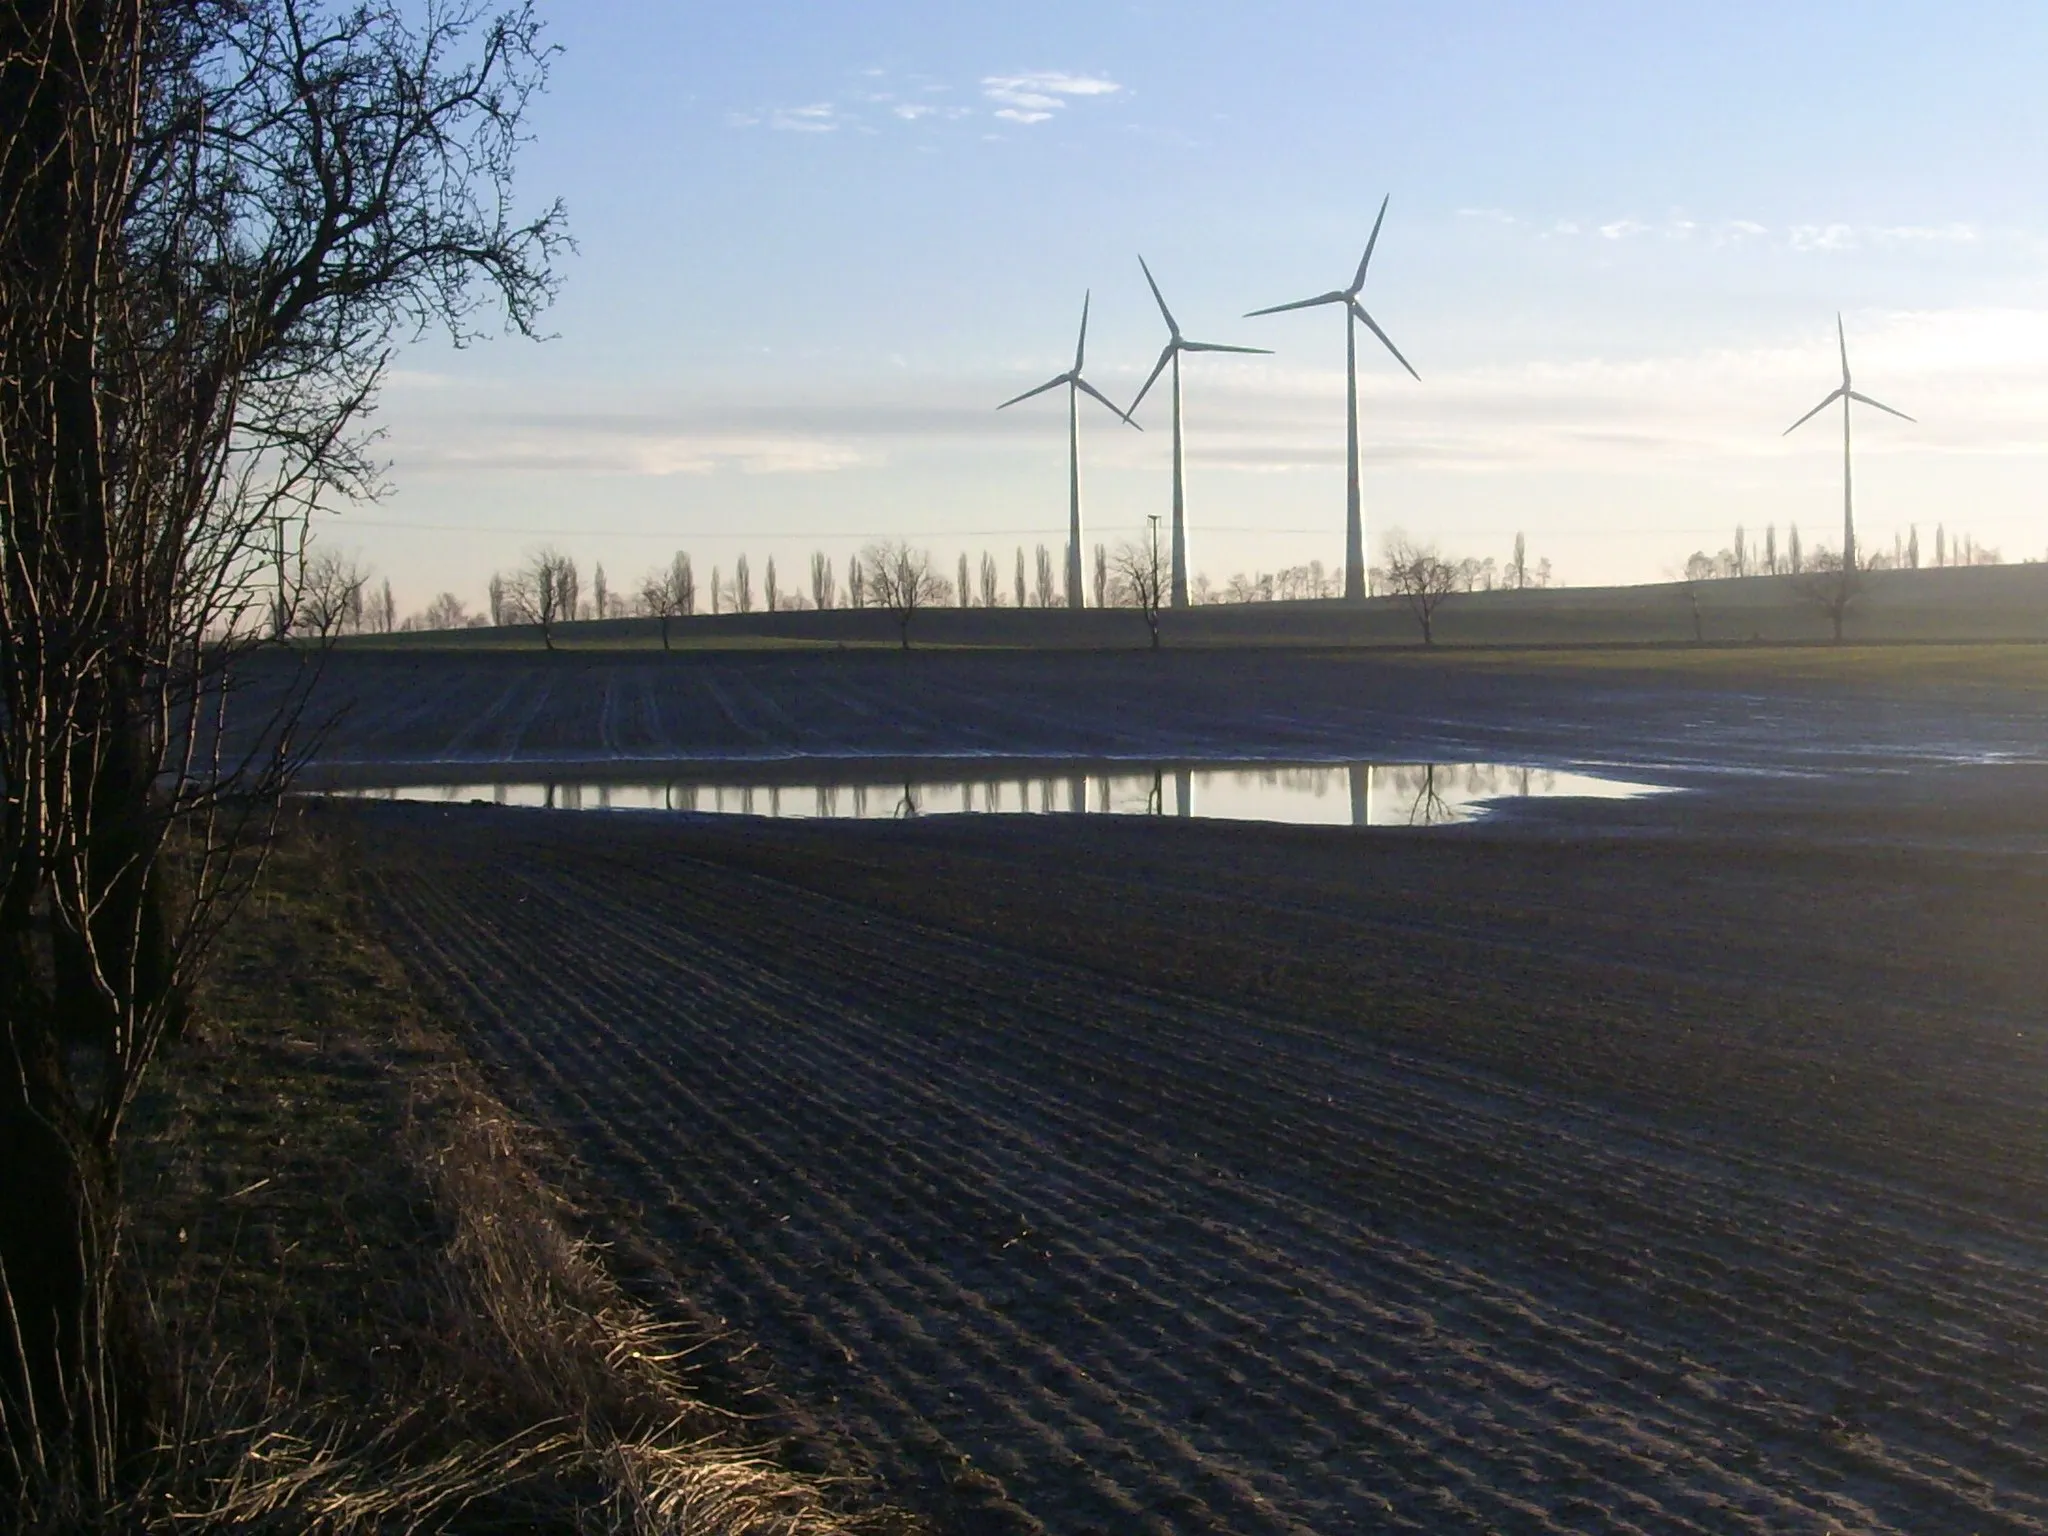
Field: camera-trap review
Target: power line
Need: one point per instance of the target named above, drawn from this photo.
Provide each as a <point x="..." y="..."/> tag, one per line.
<point x="1332" y="530"/>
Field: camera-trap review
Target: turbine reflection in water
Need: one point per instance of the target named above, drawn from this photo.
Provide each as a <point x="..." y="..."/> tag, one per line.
<point x="1326" y="794"/>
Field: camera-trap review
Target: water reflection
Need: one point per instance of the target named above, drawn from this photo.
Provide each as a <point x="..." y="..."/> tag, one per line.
<point x="1326" y="794"/>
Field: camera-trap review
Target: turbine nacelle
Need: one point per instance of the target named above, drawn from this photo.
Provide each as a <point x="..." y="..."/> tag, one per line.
<point x="1845" y="392"/>
<point x="1348" y="297"/>
<point x="1072" y="377"/>
<point x="1175" y="342"/>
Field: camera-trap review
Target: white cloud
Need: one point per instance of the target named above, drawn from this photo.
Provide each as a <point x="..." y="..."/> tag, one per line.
<point x="1622" y="229"/>
<point x="1914" y="234"/>
<point x="1736" y="231"/>
<point x="584" y="445"/>
<point x="820" y="117"/>
<point x="1034" y="96"/>
<point x="1824" y="237"/>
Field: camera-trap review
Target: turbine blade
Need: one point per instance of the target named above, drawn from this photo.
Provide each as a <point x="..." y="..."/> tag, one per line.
<point x="1089" y="389"/>
<point x="1866" y="400"/>
<point x="1364" y="261"/>
<point x="1842" y="336"/>
<point x="1217" y="346"/>
<point x="1041" y="389"/>
<point x="1165" y="357"/>
<point x="1386" y="341"/>
<point x="1802" y="421"/>
<point x="1160" y="298"/>
<point x="1081" y="346"/>
<point x="1321" y="298"/>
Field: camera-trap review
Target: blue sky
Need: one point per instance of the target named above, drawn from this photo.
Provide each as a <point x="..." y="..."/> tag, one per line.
<point x="819" y="243"/>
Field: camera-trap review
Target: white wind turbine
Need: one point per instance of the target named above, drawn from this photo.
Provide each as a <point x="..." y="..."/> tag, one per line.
<point x="1175" y="345"/>
<point x="1354" y="313"/>
<point x="1845" y="394"/>
<point x="1076" y="388"/>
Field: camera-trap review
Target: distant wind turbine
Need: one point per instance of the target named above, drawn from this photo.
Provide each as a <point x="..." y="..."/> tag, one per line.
<point x="1076" y="388"/>
<point x="1845" y="394"/>
<point x="1354" y="312"/>
<point x="1175" y="345"/>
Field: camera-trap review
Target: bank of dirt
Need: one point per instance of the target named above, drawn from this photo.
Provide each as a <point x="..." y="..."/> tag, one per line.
<point x="1088" y="1175"/>
<point x="375" y="1299"/>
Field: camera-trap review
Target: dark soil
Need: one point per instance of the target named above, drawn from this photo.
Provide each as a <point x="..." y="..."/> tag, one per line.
<point x="1686" y="1173"/>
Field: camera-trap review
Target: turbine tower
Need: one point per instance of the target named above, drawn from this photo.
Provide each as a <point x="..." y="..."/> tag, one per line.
<point x="1354" y="313"/>
<point x="1076" y="388"/>
<point x="1175" y="345"/>
<point x="1845" y="394"/>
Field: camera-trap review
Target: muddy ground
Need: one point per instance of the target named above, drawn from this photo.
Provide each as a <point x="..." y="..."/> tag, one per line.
<point x="1682" y="1170"/>
<point x="415" y="716"/>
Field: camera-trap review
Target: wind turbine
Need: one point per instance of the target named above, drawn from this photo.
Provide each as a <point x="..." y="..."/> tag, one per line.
<point x="1076" y="388"/>
<point x="1175" y="345"/>
<point x="1354" y="312"/>
<point x="1845" y="394"/>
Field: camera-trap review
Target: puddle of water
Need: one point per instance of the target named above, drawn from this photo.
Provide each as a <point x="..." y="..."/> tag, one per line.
<point x="1308" y="794"/>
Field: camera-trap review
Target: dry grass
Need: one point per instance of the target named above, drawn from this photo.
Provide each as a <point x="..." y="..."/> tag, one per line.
<point x="377" y="1315"/>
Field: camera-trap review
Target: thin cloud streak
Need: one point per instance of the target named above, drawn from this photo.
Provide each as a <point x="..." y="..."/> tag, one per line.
<point x="1977" y="379"/>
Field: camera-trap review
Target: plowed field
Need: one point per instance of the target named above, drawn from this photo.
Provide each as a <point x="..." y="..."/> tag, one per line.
<point x="1125" y="1176"/>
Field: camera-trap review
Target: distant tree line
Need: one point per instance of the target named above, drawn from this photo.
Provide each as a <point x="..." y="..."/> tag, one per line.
<point x="1768" y="557"/>
<point x="338" y="594"/>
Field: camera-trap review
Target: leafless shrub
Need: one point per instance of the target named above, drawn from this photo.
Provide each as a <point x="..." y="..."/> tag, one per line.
<point x="1831" y="585"/>
<point x="669" y="592"/>
<point x="330" y="595"/>
<point x="543" y="593"/>
<point x="214" y="219"/>
<point x="1417" y="573"/>
<point x="1135" y="580"/>
<point x="901" y="579"/>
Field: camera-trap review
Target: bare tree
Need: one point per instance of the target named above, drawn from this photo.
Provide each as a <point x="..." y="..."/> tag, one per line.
<point x="991" y="582"/>
<point x="770" y="593"/>
<point x="383" y="611"/>
<point x="1101" y="577"/>
<point x="963" y="591"/>
<point x="1832" y="586"/>
<point x="1021" y="600"/>
<point x="600" y="594"/>
<point x="543" y="593"/>
<point x="569" y="590"/>
<point x="902" y="580"/>
<point x="331" y="593"/>
<point x="1518" y="565"/>
<point x="447" y="611"/>
<point x="1424" y="578"/>
<point x="1044" y="591"/>
<point x="1137" y="581"/>
<point x="214" y="222"/>
<point x="496" y="594"/>
<point x="717" y="590"/>
<point x="856" y="582"/>
<point x="669" y="592"/>
<point x="742" y="586"/>
<point x="822" y="594"/>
